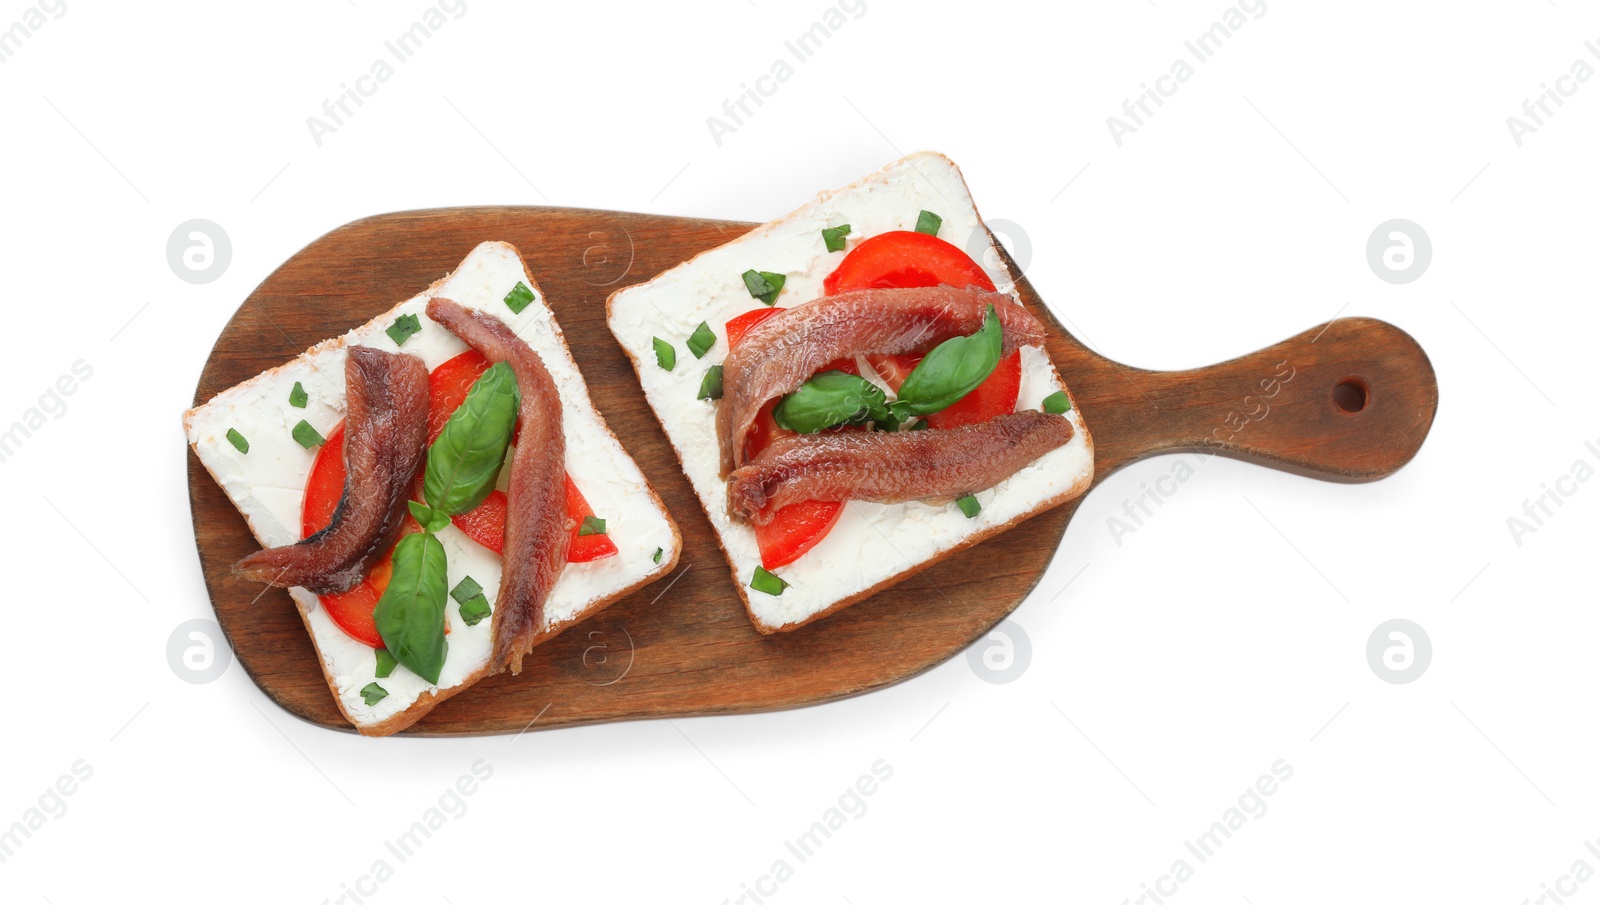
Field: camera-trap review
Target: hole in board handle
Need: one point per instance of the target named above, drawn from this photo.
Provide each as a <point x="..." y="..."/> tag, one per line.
<point x="1350" y="395"/>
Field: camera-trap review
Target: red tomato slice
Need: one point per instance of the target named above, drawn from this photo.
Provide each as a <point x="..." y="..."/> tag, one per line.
<point x="905" y="260"/>
<point x="794" y="529"/>
<point x="997" y="395"/>
<point x="448" y="385"/>
<point x="487" y="523"/>
<point x="589" y="547"/>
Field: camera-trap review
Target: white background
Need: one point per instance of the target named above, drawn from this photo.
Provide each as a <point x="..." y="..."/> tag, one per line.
<point x="1227" y="633"/>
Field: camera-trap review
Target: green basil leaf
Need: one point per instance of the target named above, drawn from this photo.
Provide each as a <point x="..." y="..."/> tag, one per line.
<point x="431" y="520"/>
<point x="386" y="663"/>
<point x="953" y="369"/>
<point x="373" y="693"/>
<point x="238" y="441"/>
<point x="465" y="461"/>
<point x="298" y="397"/>
<point x="410" y="614"/>
<point x="829" y="399"/>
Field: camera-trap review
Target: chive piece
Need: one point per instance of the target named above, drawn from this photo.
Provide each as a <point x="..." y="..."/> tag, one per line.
<point x="666" y="356"/>
<point x="701" y="340"/>
<point x="969" y="506"/>
<point x="929" y="222"/>
<point x="764" y="285"/>
<point x="657" y="557"/>
<point x="833" y="237"/>
<point x="519" y="297"/>
<point x="591" y="525"/>
<point x="297" y="396"/>
<point x="386" y="663"/>
<point x="373" y="693"/>
<point x="711" y="384"/>
<point x="306" y="435"/>
<point x="238" y="441"/>
<point x="403" y="327"/>
<point x="474" y="609"/>
<point x="767" y="583"/>
<point x="466" y="590"/>
<point x="1057" y="403"/>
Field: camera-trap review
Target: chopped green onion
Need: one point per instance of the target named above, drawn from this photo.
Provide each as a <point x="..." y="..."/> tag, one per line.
<point x="833" y="237"/>
<point x="701" y="340"/>
<point x="373" y="693"/>
<point x="297" y="396"/>
<point x="711" y="384"/>
<point x="466" y="590"/>
<point x="969" y="506"/>
<point x="1057" y="403"/>
<point x="929" y="222"/>
<point x="656" y="558"/>
<point x="763" y="284"/>
<point x="403" y="327"/>
<point x="767" y="583"/>
<point x="666" y="356"/>
<point x="519" y="297"/>
<point x="306" y="435"/>
<point x="238" y="441"/>
<point x="386" y="663"/>
<point x="474" y="609"/>
<point x="591" y="525"/>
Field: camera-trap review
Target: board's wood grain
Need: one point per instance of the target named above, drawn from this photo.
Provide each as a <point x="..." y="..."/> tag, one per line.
<point x="693" y="651"/>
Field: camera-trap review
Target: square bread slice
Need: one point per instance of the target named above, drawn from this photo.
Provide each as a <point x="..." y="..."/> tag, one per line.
<point x="267" y="484"/>
<point x="873" y="545"/>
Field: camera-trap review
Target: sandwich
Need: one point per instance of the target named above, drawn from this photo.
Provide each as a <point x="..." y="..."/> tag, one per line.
<point x="436" y="490"/>
<point x="852" y="394"/>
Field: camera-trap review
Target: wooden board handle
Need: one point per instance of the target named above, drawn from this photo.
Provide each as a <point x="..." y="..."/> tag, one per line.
<point x="1351" y="400"/>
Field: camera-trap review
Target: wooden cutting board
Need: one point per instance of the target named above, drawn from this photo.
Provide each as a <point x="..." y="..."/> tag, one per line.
<point x="1350" y="400"/>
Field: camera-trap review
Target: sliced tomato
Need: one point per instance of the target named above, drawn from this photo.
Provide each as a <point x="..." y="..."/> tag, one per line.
<point x="487" y="523"/>
<point x="905" y="260"/>
<point x="448" y="385"/>
<point x="997" y="395"/>
<point x="894" y="369"/>
<point x="794" y="529"/>
<point x="586" y="548"/>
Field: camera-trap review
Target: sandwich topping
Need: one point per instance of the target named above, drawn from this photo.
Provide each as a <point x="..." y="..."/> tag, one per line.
<point x="901" y="383"/>
<point x="536" y="529"/>
<point x="383" y="444"/>
<point x="883" y="467"/>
